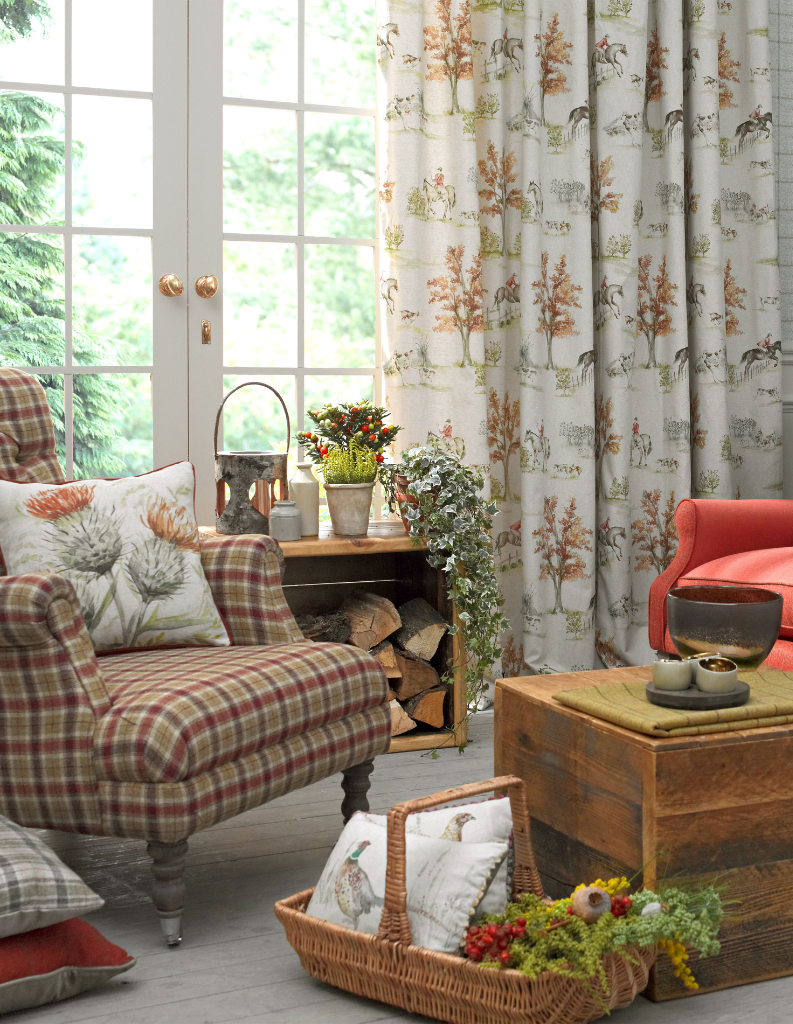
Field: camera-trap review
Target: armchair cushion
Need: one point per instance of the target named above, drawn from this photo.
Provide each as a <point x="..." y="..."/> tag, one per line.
<point x="770" y="567"/>
<point x="179" y="713"/>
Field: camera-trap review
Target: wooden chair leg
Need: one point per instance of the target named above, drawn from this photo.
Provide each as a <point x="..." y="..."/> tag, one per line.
<point x="355" y="783"/>
<point x="167" y="866"/>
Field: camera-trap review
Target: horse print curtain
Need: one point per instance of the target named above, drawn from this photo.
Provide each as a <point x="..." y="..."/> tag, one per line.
<point x="579" y="288"/>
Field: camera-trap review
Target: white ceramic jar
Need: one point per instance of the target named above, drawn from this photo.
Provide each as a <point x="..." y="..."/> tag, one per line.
<point x="304" y="491"/>
<point x="671" y="674"/>
<point x="285" y="521"/>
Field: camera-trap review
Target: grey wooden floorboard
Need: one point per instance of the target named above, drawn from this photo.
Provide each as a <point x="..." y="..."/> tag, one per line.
<point x="235" y="964"/>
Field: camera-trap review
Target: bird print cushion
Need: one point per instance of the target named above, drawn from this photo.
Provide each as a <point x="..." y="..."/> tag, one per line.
<point x="129" y="548"/>
<point x="479" y="822"/>
<point x="446" y="882"/>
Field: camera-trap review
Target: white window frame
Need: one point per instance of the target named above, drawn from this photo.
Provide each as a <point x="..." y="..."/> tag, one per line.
<point x="168" y="368"/>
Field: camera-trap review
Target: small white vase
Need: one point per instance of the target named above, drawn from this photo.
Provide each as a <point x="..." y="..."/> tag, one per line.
<point x="304" y="491"/>
<point x="349" y="506"/>
<point x="285" y="521"/>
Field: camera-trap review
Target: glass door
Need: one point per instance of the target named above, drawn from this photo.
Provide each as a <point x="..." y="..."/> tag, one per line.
<point x="282" y="211"/>
<point x="93" y="208"/>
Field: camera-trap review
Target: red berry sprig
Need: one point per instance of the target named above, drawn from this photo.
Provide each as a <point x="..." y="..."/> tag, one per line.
<point x="490" y="943"/>
<point x="620" y="905"/>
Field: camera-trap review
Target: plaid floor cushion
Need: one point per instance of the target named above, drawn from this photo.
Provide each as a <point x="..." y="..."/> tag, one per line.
<point x="179" y="713"/>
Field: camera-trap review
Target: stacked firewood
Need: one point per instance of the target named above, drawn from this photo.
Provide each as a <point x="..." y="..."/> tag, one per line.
<point x="404" y="640"/>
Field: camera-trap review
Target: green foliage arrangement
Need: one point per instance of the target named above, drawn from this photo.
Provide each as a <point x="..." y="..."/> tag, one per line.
<point x="355" y="465"/>
<point x="534" y="937"/>
<point x="455" y="520"/>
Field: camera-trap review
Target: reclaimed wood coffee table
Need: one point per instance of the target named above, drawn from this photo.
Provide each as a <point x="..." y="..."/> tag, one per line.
<point x="607" y="801"/>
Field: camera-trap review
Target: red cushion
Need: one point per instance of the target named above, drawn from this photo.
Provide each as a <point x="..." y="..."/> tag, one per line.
<point x="769" y="567"/>
<point x="56" y="962"/>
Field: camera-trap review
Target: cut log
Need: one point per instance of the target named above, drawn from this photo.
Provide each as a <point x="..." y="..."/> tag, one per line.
<point x="417" y="675"/>
<point x="384" y="653"/>
<point x="391" y="695"/>
<point x="422" y="628"/>
<point x="427" y="707"/>
<point x="400" y="722"/>
<point x="331" y="629"/>
<point x="372" y="618"/>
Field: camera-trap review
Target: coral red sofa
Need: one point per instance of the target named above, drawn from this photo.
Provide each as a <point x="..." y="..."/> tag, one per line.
<point x="729" y="543"/>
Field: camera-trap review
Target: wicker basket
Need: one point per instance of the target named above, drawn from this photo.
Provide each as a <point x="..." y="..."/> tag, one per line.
<point x="386" y="967"/>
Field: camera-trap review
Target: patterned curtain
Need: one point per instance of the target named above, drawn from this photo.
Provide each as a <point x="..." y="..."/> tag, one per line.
<point x="579" y="287"/>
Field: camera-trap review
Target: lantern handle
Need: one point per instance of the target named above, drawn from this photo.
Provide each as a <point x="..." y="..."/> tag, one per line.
<point x="261" y="384"/>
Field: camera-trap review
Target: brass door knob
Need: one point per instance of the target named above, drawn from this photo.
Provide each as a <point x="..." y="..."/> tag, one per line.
<point x="170" y="285"/>
<point x="206" y="286"/>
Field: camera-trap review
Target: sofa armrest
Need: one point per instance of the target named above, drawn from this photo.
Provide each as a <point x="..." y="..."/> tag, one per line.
<point x="710" y="529"/>
<point x="51" y="694"/>
<point x="45" y="650"/>
<point x="244" y="575"/>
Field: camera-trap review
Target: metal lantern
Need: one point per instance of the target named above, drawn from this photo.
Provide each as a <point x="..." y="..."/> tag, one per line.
<point x="242" y="469"/>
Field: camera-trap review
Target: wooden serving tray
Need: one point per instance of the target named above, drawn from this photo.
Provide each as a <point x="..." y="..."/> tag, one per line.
<point x="694" y="699"/>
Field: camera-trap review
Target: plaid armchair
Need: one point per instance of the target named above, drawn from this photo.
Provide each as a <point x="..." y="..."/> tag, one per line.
<point x="158" y="744"/>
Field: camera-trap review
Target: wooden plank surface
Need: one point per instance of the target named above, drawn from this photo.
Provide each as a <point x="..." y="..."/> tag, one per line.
<point x="235" y="964"/>
<point x="383" y="536"/>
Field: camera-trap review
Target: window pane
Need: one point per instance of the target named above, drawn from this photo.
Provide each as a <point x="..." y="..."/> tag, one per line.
<point x="260" y="52"/>
<point x="112" y="162"/>
<point x="340" y="305"/>
<point x="31" y="300"/>
<point x="33" y="158"/>
<point x="340" y="176"/>
<point x="53" y="391"/>
<point x="112" y="44"/>
<point x="112" y="424"/>
<point x="112" y="295"/>
<point x="260" y="170"/>
<point x="33" y="50"/>
<point x="260" y="304"/>
<point x="253" y="419"/>
<point x="331" y="388"/>
<point x="340" y="69"/>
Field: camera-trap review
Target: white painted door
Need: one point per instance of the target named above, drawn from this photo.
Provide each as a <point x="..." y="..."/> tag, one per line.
<point x="281" y="194"/>
<point x="93" y="103"/>
<point x="231" y="138"/>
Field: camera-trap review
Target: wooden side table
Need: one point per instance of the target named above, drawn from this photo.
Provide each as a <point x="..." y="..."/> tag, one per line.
<point x="605" y="801"/>
<point x="322" y="571"/>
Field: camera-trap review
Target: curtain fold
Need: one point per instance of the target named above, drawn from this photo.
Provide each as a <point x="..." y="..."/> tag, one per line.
<point x="579" y="287"/>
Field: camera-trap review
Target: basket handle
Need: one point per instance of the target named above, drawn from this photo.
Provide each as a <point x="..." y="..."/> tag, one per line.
<point x="394" y="923"/>
<point x="260" y="384"/>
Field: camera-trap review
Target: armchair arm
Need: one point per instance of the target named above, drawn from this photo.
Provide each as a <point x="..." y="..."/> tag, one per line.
<point x="244" y="575"/>
<point x="51" y="693"/>
<point x="710" y="529"/>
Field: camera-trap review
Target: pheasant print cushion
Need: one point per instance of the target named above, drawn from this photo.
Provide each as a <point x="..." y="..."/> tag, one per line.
<point x="480" y="822"/>
<point x="129" y="548"/>
<point x="446" y="882"/>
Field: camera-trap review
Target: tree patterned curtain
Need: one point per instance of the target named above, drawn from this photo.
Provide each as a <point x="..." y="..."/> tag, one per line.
<point x="579" y="285"/>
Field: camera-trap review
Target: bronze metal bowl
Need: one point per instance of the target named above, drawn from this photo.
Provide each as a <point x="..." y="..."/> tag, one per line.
<point x="740" y="623"/>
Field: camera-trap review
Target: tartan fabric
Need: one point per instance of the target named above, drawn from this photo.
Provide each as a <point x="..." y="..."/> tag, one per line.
<point x="51" y="694"/>
<point x="36" y="887"/>
<point x="27" y="440"/>
<point x="168" y="812"/>
<point x="180" y="713"/>
<point x="244" y="575"/>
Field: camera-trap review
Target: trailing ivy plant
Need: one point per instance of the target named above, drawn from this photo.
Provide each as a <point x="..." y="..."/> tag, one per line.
<point x="455" y="520"/>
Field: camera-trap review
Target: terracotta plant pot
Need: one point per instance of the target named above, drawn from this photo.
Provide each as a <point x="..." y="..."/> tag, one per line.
<point x="402" y="496"/>
<point x="349" y="506"/>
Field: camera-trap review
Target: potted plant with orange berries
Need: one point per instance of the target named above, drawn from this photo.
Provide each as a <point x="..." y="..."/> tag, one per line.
<point x="347" y="425"/>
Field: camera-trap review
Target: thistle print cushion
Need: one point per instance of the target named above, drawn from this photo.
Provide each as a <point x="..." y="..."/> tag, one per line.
<point x="129" y="548"/>
<point x="446" y="882"/>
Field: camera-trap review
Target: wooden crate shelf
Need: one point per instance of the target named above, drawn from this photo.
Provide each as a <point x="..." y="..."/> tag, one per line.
<point x="321" y="571"/>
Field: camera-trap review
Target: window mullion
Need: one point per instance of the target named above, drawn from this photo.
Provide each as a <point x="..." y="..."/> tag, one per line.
<point x="301" y="216"/>
<point x="68" y="380"/>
